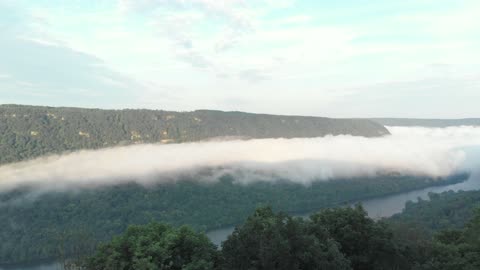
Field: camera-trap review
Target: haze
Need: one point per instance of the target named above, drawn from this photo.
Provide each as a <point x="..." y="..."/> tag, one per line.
<point x="432" y="152"/>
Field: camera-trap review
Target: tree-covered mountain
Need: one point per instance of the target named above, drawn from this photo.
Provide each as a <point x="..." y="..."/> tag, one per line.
<point x="410" y="122"/>
<point x="34" y="226"/>
<point x="31" y="131"/>
<point x="446" y="210"/>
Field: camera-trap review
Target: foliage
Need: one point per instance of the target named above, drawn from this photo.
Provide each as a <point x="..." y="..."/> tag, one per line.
<point x="366" y="243"/>
<point x="447" y="210"/>
<point x="441" y="232"/>
<point x="31" y="131"/>
<point x="341" y="238"/>
<point x="156" y="246"/>
<point x="455" y="249"/>
<point x="277" y="241"/>
<point x="31" y="223"/>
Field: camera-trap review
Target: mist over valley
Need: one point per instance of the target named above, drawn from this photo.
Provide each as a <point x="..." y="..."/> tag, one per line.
<point x="417" y="151"/>
<point x="239" y="135"/>
<point x="215" y="182"/>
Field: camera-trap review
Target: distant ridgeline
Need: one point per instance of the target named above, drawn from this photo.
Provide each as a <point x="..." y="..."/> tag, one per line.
<point x="410" y="122"/>
<point x="31" y="131"/>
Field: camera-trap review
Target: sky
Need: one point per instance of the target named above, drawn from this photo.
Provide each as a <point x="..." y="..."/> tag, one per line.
<point x="350" y="58"/>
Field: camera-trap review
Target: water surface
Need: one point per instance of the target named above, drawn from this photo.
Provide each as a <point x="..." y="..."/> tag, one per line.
<point x="379" y="207"/>
<point x="376" y="208"/>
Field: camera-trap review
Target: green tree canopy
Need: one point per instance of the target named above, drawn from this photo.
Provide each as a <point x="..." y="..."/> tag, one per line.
<point x="368" y="244"/>
<point x="156" y="246"/>
<point x="277" y="241"/>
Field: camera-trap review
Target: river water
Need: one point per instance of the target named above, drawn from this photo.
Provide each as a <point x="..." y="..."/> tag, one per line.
<point x="380" y="207"/>
<point x="376" y="208"/>
<point x="393" y="204"/>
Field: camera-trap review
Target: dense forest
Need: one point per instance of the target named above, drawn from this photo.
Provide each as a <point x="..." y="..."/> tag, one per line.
<point x="341" y="238"/>
<point x="447" y="210"/>
<point x="34" y="226"/>
<point x="31" y="131"/>
<point x="433" y="234"/>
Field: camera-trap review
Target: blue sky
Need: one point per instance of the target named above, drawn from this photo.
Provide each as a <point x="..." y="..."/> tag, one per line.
<point x="351" y="58"/>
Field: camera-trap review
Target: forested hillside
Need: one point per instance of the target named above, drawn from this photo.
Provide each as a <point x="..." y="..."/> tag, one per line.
<point x="447" y="210"/>
<point x="341" y="238"/>
<point x="35" y="226"/>
<point x="30" y="131"/>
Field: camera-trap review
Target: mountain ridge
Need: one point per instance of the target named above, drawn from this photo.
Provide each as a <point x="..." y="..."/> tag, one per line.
<point x="31" y="131"/>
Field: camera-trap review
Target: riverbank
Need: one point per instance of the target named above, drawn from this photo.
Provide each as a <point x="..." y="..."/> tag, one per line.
<point x="379" y="207"/>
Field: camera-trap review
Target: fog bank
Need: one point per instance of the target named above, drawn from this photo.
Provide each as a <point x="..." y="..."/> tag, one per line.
<point x="432" y="152"/>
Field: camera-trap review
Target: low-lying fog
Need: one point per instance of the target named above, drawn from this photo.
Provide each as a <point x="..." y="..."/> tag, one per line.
<point x="433" y="152"/>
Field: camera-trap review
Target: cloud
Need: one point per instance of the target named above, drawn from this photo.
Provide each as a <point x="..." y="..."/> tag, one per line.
<point x="253" y="75"/>
<point x="194" y="58"/>
<point x="428" y="97"/>
<point x="184" y="24"/>
<point x="459" y="21"/>
<point x="412" y="151"/>
<point x="58" y="71"/>
<point x="225" y="46"/>
<point x="136" y="5"/>
<point x="280" y="3"/>
<point x="297" y="19"/>
<point x="39" y="68"/>
<point x="227" y="41"/>
<point x="232" y="12"/>
<point x="178" y="27"/>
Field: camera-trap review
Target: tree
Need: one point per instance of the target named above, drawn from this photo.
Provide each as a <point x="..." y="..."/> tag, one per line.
<point x="156" y="246"/>
<point x="276" y="241"/>
<point x="367" y="244"/>
<point x="455" y="249"/>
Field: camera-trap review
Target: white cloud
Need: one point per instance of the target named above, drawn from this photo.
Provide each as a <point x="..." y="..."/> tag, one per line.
<point x="280" y="3"/>
<point x="456" y="22"/>
<point x="431" y="97"/>
<point x="224" y="46"/>
<point x="194" y="58"/>
<point x="297" y="19"/>
<point x="411" y="151"/>
<point x="253" y="75"/>
<point x="128" y="6"/>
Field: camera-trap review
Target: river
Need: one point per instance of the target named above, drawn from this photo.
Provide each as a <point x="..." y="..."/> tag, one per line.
<point x="376" y="208"/>
<point x="379" y="207"/>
